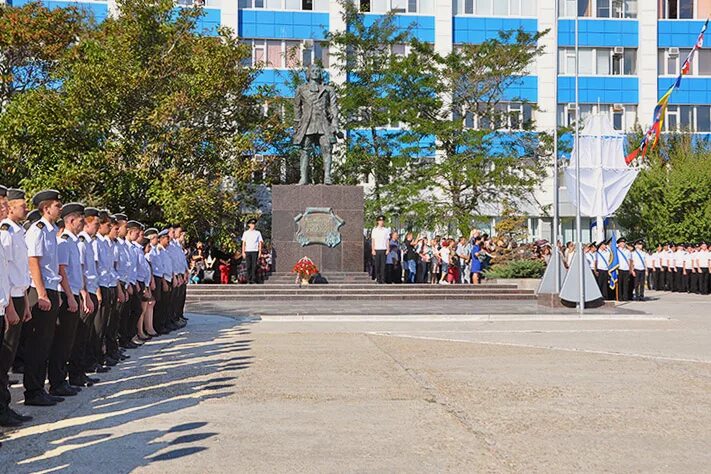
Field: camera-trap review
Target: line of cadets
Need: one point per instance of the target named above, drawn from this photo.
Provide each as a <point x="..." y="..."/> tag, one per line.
<point x="79" y="286"/>
<point x="681" y="268"/>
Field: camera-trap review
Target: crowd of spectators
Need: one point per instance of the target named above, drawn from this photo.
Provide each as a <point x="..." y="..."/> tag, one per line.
<point x="210" y="264"/>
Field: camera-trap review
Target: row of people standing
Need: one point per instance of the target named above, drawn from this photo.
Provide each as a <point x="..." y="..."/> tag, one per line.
<point x="672" y="267"/>
<point x="434" y="260"/>
<point x="79" y="286"/>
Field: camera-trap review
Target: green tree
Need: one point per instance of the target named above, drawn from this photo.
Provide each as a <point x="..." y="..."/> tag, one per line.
<point x="149" y="117"/>
<point x="370" y="100"/>
<point x="475" y="167"/>
<point x="32" y="40"/>
<point x="671" y="197"/>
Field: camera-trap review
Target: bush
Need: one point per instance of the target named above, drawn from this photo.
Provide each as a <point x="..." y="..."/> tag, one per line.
<point x="517" y="269"/>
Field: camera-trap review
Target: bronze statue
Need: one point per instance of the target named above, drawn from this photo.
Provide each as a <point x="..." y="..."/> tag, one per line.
<point x="316" y="121"/>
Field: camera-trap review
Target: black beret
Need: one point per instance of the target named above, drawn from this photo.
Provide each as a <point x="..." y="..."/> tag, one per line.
<point x="3" y="191"/>
<point x="34" y="216"/>
<point x="48" y="195"/>
<point x="134" y="225"/>
<point x="150" y="232"/>
<point x="71" y="208"/>
<point x="252" y="221"/>
<point x="121" y="217"/>
<point x="13" y="194"/>
<point x="91" y="212"/>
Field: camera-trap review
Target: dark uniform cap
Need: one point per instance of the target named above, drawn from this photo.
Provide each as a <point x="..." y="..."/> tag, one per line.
<point x="621" y="239"/>
<point x="252" y="221"/>
<point x="121" y="217"/>
<point x="13" y="194"/>
<point x="134" y="225"/>
<point x="34" y="216"/>
<point x="59" y="223"/>
<point x="48" y="195"/>
<point x="380" y="218"/>
<point x="72" y="208"/>
<point x="91" y="212"/>
<point x="3" y="191"/>
<point x="150" y="232"/>
<point x="163" y="233"/>
<point x="639" y="241"/>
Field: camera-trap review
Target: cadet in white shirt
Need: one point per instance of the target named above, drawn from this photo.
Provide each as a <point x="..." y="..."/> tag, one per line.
<point x="680" y="269"/>
<point x="12" y="243"/>
<point x="601" y="267"/>
<point x="41" y="241"/>
<point x="703" y="259"/>
<point x="639" y="267"/>
<point x="379" y="243"/>
<point x="624" y="277"/>
<point x="72" y="285"/>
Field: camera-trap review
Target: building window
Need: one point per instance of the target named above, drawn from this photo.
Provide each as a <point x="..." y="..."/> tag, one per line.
<point x="688" y="118"/>
<point x="670" y="60"/>
<point x="251" y="4"/>
<point x="307" y="4"/>
<point x="676" y="9"/>
<point x="496" y="7"/>
<point x="289" y="54"/>
<point x="506" y="116"/>
<point x="598" y="61"/>
<point x="598" y="8"/>
<point x="621" y="116"/>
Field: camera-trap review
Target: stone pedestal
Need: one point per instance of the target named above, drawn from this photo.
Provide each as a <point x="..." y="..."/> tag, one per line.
<point x="347" y="202"/>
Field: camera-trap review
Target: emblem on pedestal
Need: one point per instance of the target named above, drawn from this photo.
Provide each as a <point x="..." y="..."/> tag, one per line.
<point x="318" y="225"/>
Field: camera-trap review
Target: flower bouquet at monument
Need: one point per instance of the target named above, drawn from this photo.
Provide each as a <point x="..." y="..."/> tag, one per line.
<point x="304" y="269"/>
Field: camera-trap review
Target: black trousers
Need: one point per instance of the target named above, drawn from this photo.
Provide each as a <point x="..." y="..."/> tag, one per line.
<point x="679" y="280"/>
<point x="101" y="322"/>
<point x="64" y="335"/>
<point x="114" y="323"/>
<point x="252" y="258"/>
<point x="162" y="308"/>
<point x="180" y="303"/>
<point x="130" y="313"/>
<point x="651" y="279"/>
<point x="625" y="285"/>
<point x="602" y="279"/>
<point x="640" y="279"/>
<point x="79" y="361"/>
<point x="668" y="279"/>
<point x="704" y="281"/>
<point x="10" y="341"/>
<point x="39" y="343"/>
<point x="659" y="274"/>
<point x="380" y="266"/>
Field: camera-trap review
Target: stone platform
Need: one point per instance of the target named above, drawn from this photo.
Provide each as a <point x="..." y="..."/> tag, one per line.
<point x="347" y="203"/>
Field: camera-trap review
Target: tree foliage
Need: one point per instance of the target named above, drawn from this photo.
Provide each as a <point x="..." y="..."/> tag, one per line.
<point x="671" y="197"/>
<point x="148" y="117"/>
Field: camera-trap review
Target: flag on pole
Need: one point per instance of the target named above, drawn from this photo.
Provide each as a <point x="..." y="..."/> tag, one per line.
<point x="614" y="262"/>
<point x="651" y="138"/>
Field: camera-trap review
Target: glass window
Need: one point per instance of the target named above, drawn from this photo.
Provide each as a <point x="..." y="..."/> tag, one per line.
<point x="603" y="61"/>
<point x="365" y="6"/>
<point x="469" y="7"/>
<point x="258" y="3"/>
<point x="399" y="6"/>
<point x="259" y="52"/>
<point x="672" y="64"/>
<point x="412" y="6"/>
<point x="672" y="122"/>
<point x="630" y="57"/>
<point x="528" y="8"/>
<point x="616" y="64"/>
<point x="703" y="62"/>
<point x="274" y="54"/>
<point x="515" y="7"/>
<point x="293" y="54"/>
<point x="587" y="63"/>
<point x="584" y="7"/>
<point x="630" y="8"/>
<point x="686" y="9"/>
<point x="603" y="8"/>
<point x="483" y="7"/>
<point x="618" y="119"/>
<point x="570" y="62"/>
<point x="661" y="62"/>
<point x="307" y="4"/>
<point x="672" y="9"/>
<point x="501" y="7"/>
<point x="686" y="117"/>
<point x="703" y="118"/>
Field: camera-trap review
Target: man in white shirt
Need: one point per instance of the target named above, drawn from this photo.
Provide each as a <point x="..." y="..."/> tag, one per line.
<point x="251" y="249"/>
<point x="12" y="244"/>
<point x="601" y="265"/>
<point x="379" y="241"/>
<point x="703" y="259"/>
<point x="639" y="269"/>
<point x="624" y="276"/>
<point x="680" y="269"/>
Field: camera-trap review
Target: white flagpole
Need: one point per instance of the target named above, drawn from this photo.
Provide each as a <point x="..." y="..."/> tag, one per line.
<point x="578" y="220"/>
<point x="556" y="171"/>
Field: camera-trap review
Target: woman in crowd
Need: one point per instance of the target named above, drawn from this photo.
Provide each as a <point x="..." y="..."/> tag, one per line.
<point x="424" y="251"/>
<point x="148" y="302"/>
<point x="444" y="254"/>
<point x="475" y="267"/>
<point x="410" y="258"/>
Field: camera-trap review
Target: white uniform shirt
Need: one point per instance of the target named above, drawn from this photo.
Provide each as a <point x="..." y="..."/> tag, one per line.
<point x="623" y="256"/>
<point x="679" y="258"/>
<point x="251" y="239"/>
<point x="104" y="252"/>
<point x="68" y="255"/>
<point x="590" y="259"/>
<point x="703" y="258"/>
<point x="639" y="259"/>
<point x="88" y="259"/>
<point x="13" y="242"/>
<point x="156" y="261"/>
<point x="41" y="239"/>
<point x="380" y="237"/>
<point x="4" y="282"/>
<point x="602" y="260"/>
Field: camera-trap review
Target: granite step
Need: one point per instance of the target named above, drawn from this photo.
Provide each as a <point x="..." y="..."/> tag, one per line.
<point x="371" y="297"/>
<point x="224" y="289"/>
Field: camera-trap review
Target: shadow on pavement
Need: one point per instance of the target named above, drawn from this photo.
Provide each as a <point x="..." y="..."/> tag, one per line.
<point x="103" y="428"/>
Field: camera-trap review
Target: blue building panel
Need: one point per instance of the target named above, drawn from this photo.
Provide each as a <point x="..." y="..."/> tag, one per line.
<point x="525" y="88"/>
<point x="603" y="89"/>
<point x="277" y="78"/>
<point x="97" y="11"/>
<point x="210" y="22"/>
<point x="693" y="90"/>
<point x="599" y="32"/>
<point x="270" y="24"/>
<point x="678" y="33"/>
<point x="421" y="27"/>
<point x="476" y="30"/>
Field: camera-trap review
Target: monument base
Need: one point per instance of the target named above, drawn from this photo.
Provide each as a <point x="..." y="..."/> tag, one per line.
<point x="347" y="203"/>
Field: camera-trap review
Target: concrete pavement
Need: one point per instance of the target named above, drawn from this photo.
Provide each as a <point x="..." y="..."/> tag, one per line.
<point x="629" y="393"/>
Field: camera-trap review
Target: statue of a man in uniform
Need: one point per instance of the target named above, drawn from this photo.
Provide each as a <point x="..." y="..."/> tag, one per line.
<point x="316" y="121"/>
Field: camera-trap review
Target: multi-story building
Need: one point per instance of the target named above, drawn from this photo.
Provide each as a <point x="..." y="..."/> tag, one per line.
<point x="630" y="52"/>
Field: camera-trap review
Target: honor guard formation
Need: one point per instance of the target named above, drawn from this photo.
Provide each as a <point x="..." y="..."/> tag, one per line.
<point x="79" y="286"/>
<point x="679" y="268"/>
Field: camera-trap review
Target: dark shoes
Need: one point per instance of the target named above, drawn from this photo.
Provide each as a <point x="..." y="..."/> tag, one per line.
<point x="42" y="399"/>
<point x="64" y="390"/>
<point x="18" y="416"/>
<point x="9" y="421"/>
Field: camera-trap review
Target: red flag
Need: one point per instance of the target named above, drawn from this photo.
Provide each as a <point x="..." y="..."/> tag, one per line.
<point x="632" y="156"/>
